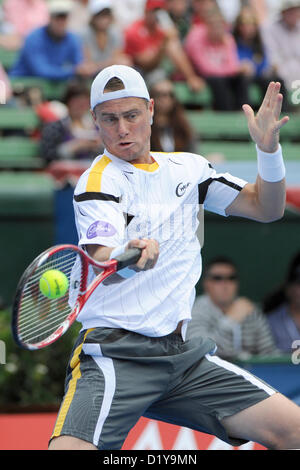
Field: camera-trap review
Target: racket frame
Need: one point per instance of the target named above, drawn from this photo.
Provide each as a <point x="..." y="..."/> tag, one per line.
<point x="108" y="267"/>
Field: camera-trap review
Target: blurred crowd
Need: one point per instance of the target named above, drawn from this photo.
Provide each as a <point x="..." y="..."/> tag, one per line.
<point x="223" y="46"/>
<point x="240" y="327"/>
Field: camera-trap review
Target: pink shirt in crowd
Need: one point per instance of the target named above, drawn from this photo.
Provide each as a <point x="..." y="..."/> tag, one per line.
<point x="25" y="15"/>
<point x="211" y="59"/>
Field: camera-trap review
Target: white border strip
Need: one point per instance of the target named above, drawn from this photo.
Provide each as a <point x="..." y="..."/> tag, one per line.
<point x="106" y="365"/>
<point x="237" y="370"/>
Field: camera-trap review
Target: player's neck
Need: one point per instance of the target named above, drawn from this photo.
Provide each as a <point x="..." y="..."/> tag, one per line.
<point x="144" y="158"/>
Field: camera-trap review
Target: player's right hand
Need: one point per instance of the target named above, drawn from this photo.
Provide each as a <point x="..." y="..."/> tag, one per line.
<point x="150" y="253"/>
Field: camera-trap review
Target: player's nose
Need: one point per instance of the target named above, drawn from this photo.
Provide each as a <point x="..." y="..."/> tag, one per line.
<point x="122" y="128"/>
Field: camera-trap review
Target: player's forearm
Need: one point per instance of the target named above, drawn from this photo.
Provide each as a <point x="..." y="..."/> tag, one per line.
<point x="102" y="253"/>
<point x="98" y="252"/>
<point x="270" y="199"/>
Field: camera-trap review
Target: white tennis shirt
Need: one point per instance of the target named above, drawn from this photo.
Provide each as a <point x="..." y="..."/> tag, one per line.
<point x="116" y="201"/>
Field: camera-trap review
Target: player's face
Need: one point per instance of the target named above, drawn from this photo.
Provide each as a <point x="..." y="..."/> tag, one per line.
<point x="125" y="128"/>
<point x="221" y="284"/>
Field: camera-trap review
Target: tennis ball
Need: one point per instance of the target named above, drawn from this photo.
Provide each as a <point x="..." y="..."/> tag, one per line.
<point x="54" y="284"/>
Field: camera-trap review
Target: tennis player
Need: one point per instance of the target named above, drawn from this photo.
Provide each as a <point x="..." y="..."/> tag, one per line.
<point x="131" y="358"/>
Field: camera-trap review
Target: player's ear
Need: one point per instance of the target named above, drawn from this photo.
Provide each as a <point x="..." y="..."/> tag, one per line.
<point x="93" y="114"/>
<point x="151" y="109"/>
<point x="94" y="118"/>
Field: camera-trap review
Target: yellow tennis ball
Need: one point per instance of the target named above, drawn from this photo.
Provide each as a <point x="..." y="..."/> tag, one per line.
<point x="54" y="284"/>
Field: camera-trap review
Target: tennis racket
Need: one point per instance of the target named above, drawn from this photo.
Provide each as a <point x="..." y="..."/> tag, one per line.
<point x="39" y="321"/>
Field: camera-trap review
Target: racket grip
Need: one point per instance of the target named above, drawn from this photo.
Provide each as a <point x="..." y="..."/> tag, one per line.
<point x="127" y="258"/>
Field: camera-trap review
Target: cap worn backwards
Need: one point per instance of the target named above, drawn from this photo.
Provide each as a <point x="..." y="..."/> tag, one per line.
<point x="134" y="85"/>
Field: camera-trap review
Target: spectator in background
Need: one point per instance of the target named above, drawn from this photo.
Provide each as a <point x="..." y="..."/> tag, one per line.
<point x="51" y="51"/>
<point x="213" y="51"/>
<point x="200" y="9"/>
<point x="127" y="12"/>
<point x="79" y="17"/>
<point x="148" y="43"/>
<point x="283" y="309"/>
<point x="237" y="326"/>
<point x="180" y="14"/>
<point x="171" y="131"/>
<point x="9" y="39"/>
<point x="282" y="39"/>
<point x="26" y="15"/>
<point x="73" y="137"/>
<point x="230" y="9"/>
<point x="266" y="10"/>
<point x="102" y="41"/>
<point x="252" y="54"/>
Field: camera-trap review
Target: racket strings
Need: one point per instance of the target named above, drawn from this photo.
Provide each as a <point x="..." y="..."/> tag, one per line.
<point x="40" y="316"/>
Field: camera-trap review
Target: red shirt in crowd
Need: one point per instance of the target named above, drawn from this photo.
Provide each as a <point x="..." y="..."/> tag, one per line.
<point x="139" y="39"/>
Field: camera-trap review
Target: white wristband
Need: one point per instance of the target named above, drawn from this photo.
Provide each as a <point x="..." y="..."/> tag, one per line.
<point x="270" y="165"/>
<point x="126" y="273"/>
<point x="119" y="250"/>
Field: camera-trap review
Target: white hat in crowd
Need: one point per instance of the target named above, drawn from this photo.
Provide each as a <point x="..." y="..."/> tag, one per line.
<point x="134" y="85"/>
<point x="95" y="6"/>
<point x="57" y="7"/>
<point x="287" y="4"/>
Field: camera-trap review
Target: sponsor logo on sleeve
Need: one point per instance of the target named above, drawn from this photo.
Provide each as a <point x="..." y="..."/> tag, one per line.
<point x="100" y="228"/>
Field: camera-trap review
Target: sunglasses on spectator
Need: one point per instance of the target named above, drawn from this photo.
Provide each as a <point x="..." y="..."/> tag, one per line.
<point x="219" y="277"/>
<point x="60" y="16"/>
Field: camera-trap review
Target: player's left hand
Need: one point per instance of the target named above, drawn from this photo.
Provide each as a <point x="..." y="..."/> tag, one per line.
<point x="264" y="128"/>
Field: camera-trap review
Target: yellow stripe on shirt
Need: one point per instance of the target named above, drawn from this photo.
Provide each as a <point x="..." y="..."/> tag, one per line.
<point x="147" y="166"/>
<point x="76" y="374"/>
<point x="95" y="176"/>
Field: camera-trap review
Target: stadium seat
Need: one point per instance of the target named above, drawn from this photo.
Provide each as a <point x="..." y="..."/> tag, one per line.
<point x="204" y="98"/>
<point x="212" y="125"/>
<point x="18" y="119"/>
<point x="7" y="58"/>
<point x="189" y="99"/>
<point x="51" y="89"/>
<point x="19" y="153"/>
<point x="243" y="151"/>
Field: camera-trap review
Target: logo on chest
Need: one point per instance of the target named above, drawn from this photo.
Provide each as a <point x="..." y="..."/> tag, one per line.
<point x="181" y="189"/>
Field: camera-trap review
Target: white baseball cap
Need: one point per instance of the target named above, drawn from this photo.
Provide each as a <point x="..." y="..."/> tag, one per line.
<point x="134" y="85"/>
<point x="57" y="7"/>
<point x="287" y="4"/>
<point x="95" y="6"/>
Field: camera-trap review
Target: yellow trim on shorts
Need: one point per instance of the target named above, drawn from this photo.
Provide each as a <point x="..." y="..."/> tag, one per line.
<point x="95" y="176"/>
<point x="76" y="374"/>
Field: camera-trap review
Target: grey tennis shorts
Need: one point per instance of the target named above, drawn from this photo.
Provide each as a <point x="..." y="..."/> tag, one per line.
<point x="115" y="376"/>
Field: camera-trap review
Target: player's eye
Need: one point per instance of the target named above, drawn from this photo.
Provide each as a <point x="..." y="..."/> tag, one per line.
<point x="132" y="116"/>
<point x="109" y="119"/>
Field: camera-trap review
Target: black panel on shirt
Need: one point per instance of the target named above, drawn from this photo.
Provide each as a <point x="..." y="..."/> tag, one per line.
<point x="203" y="187"/>
<point x="90" y="196"/>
